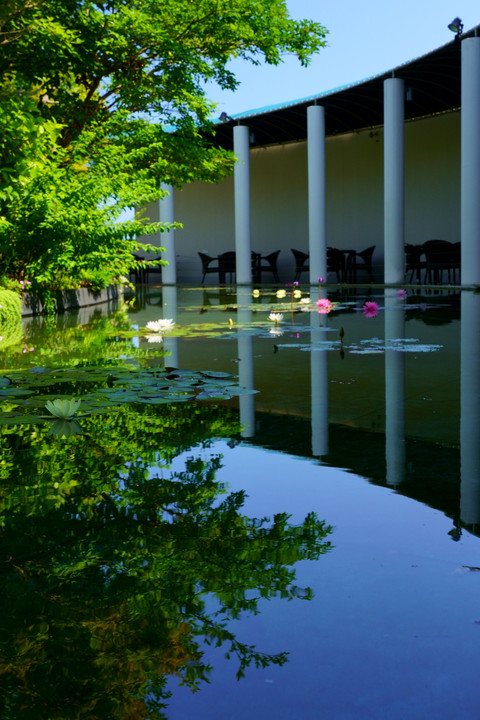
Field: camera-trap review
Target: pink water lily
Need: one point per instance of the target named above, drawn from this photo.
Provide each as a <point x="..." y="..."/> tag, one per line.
<point x="402" y="294"/>
<point x="324" y="306"/>
<point x="370" y="309"/>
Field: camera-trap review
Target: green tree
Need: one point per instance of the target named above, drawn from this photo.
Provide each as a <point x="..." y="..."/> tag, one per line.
<point x="110" y="100"/>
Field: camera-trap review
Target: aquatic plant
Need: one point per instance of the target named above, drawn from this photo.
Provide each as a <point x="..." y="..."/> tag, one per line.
<point x="275" y="317"/>
<point x="370" y="309"/>
<point x="324" y="306"/>
<point x="63" y="408"/>
<point x="161" y="326"/>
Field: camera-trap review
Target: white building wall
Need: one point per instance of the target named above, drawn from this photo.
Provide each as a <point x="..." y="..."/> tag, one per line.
<point x="354" y="168"/>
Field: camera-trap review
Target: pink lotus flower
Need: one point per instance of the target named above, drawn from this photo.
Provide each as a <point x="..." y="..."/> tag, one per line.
<point x="324" y="306"/>
<point x="402" y="294"/>
<point x="370" y="309"/>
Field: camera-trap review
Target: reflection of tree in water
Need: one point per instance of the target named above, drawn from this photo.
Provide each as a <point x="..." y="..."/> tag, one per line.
<point x="106" y="564"/>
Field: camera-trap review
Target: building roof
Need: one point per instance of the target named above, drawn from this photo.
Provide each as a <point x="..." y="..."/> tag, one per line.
<point x="432" y="82"/>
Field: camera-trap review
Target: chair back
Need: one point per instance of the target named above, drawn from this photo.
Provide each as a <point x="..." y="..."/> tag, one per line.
<point x="272" y="258"/>
<point x="206" y="260"/>
<point x="438" y="251"/>
<point x="227" y="261"/>
<point x="301" y="262"/>
<point x="367" y="254"/>
<point x="336" y="263"/>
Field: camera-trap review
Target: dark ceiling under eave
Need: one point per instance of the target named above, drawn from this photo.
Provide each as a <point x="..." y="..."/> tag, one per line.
<point x="433" y="82"/>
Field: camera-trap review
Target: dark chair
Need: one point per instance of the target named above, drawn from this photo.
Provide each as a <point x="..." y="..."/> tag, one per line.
<point x="227" y="263"/>
<point x="336" y="263"/>
<point x="138" y="270"/>
<point x="152" y="268"/>
<point x="360" y="261"/>
<point x="456" y="258"/>
<point x="301" y="263"/>
<point x="440" y="257"/>
<point x="268" y="263"/>
<point x="413" y="262"/>
<point x="206" y="265"/>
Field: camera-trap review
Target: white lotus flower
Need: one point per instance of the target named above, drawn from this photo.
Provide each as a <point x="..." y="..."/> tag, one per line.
<point x="160" y="326"/>
<point x="63" y="408"/>
<point x="276" y="332"/>
<point x="275" y="317"/>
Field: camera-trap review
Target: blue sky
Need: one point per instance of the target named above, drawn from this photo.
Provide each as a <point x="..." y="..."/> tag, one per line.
<point x="365" y="38"/>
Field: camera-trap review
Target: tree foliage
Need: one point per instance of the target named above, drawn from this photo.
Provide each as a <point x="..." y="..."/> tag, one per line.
<point x="102" y="101"/>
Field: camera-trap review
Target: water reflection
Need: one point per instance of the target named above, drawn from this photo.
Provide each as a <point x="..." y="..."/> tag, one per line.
<point x="113" y="558"/>
<point x="394" y="387"/>
<point x="391" y="414"/>
<point x="245" y="360"/>
<point x="470" y="411"/>
<point x="116" y="571"/>
<point x="170" y="311"/>
<point x="319" y="385"/>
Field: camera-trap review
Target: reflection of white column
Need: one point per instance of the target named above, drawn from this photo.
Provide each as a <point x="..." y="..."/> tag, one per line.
<point x="169" y="304"/>
<point x="470" y="172"/>
<point x="245" y="365"/>
<point x="394" y="389"/>
<point x="241" y="148"/>
<point x="470" y="410"/>
<point x="394" y="202"/>
<point x="167" y="215"/>
<point x="319" y="387"/>
<point x="317" y="229"/>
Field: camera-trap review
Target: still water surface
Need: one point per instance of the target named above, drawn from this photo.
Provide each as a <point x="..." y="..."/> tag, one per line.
<point x="375" y="429"/>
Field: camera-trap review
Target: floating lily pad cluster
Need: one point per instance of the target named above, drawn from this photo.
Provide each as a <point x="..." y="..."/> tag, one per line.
<point x="24" y="395"/>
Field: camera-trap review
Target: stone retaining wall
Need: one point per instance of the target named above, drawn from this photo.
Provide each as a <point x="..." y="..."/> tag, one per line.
<point x="72" y="299"/>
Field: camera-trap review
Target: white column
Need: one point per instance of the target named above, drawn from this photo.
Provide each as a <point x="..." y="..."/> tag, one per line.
<point x="167" y="215"/>
<point x="394" y="389"/>
<point x="317" y="226"/>
<point x="394" y="191"/>
<point x="470" y="410"/>
<point x="470" y="165"/>
<point x="241" y="148"/>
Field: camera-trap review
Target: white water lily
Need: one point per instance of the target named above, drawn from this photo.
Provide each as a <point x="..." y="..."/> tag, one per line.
<point x="280" y="293"/>
<point x="160" y="326"/>
<point x="63" y="408"/>
<point x="275" y="317"/>
<point x="276" y="332"/>
<point x="154" y="338"/>
<point x="305" y="300"/>
<point x="256" y="293"/>
<point x="297" y="294"/>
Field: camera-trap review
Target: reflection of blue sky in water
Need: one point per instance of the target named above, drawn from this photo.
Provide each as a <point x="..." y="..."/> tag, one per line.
<point x="391" y="631"/>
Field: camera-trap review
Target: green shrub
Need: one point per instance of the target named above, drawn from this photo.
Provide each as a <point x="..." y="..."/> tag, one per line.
<point x="11" y="330"/>
<point x="10" y="307"/>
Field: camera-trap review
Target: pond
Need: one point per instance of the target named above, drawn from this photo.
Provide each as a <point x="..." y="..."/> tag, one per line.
<point x="303" y="546"/>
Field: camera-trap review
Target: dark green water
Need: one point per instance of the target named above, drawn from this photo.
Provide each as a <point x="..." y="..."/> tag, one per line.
<point x="321" y="532"/>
